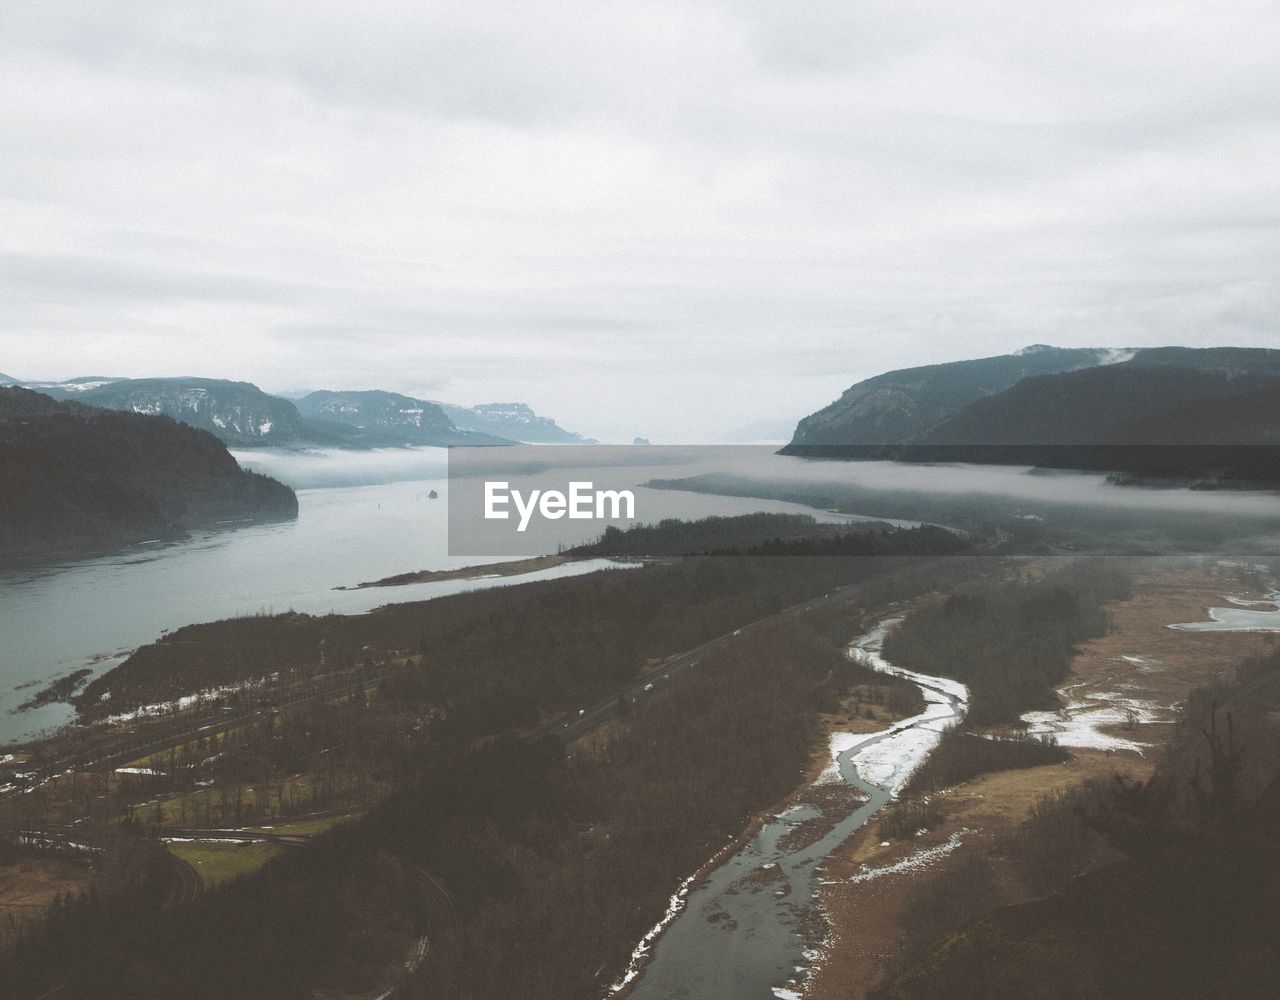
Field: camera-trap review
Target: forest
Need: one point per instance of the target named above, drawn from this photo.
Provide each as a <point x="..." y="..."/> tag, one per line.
<point x="544" y="644"/>
<point x="76" y="479"/>
<point x="558" y="863"/>
<point x="724" y="535"/>
<point x="1010" y="640"/>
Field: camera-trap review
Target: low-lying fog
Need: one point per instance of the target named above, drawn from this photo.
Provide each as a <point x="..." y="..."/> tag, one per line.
<point x="973" y="497"/>
<point x="751" y="463"/>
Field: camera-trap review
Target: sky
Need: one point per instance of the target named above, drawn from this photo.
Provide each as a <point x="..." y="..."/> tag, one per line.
<point x="669" y="219"/>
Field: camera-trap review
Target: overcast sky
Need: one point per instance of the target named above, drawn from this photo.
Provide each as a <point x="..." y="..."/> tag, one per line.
<point x="657" y="218"/>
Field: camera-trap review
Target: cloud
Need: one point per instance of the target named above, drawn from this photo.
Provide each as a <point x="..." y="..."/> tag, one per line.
<point x="665" y="218"/>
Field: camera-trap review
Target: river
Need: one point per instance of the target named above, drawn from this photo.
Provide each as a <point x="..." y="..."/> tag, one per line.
<point x="368" y="515"/>
<point x="740" y="934"/>
<point x="93" y="612"/>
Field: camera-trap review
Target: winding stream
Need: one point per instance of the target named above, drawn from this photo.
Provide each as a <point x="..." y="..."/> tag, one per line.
<point x="740" y="933"/>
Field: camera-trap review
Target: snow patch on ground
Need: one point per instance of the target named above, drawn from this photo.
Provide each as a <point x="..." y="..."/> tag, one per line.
<point x="912" y="862"/>
<point x="891" y="762"/>
<point x="1240" y="618"/>
<point x="187" y="700"/>
<point x="1081" y="721"/>
<point x="1273" y="602"/>
<point x="889" y="758"/>
<point x="207" y="840"/>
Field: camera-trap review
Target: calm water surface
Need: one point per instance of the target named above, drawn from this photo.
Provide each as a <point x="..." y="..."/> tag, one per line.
<point x="367" y="515"/>
<point x="93" y="612"/>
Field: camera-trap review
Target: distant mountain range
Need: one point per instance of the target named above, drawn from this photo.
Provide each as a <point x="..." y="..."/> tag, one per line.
<point x="243" y="415"/>
<point x="1169" y="411"/>
<point x="421" y="421"/>
<point x="515" y="421"/>
<point x="372" y="418"/>
<point x="237" y="412"/>
<point x="76" y="478"/>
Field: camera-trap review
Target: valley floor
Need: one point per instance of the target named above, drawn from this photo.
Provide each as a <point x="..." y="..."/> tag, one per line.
<point x="1140" y="662"/>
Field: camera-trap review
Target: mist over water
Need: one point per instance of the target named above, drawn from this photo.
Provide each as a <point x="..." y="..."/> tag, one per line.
<point x="367" y="515"/>
<point x="304" y="470"/>
<point x="362" y="516"/>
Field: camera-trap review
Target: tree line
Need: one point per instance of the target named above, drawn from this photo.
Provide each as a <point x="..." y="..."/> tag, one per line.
<point x="558" y="863"/>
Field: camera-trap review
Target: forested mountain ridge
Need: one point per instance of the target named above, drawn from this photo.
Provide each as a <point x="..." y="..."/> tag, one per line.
<point x="243" y="415"/>
<point x="76" y="478"/>
<point x="1208" y="415"/>
<point x="1044" y="395"/>
<point x="1135" y="403"/>
<point x="895" y="407"/>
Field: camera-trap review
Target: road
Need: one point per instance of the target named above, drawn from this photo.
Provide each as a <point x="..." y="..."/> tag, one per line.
<point x="187" y="884"/>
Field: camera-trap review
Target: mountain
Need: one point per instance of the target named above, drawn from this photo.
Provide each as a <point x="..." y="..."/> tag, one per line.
<point x="1200" y="413"/>
<point x="896" y="407"/>
<point x="9" y="380"/>
<point x="243" y="415"/>
<point x="1135" y="403"/>
<point x="71" y="387"/>
<point x="237" y="412"/>
<point x="514" y="421"/>
<point x="387" y="418"/>
<point x="76" y="479"/>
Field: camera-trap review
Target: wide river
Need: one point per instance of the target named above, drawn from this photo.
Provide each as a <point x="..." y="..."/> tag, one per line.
<point x="368" y="515"/>
<point x="93" y="612"/>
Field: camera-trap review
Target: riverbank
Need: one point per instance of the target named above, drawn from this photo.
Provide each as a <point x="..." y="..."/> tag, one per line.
<point x="870" y="881"/>
<point x="763" y="892"/>
<point x="489" y="571"/>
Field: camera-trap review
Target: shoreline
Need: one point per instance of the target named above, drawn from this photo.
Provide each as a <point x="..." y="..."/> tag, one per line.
<point x="514" y="567"/>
